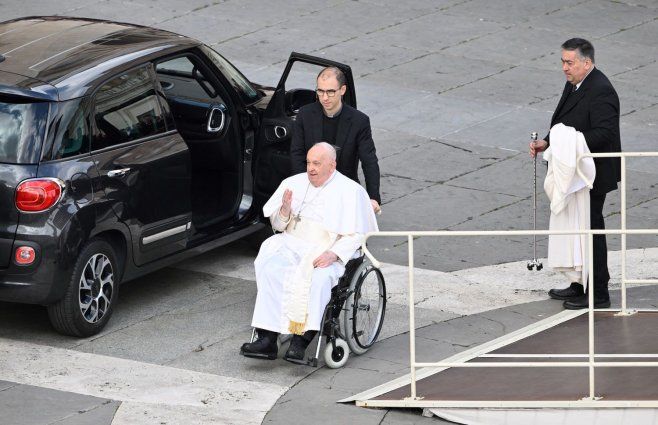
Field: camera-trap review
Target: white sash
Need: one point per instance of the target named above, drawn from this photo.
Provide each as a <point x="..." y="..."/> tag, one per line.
<point x="297" y="290"/>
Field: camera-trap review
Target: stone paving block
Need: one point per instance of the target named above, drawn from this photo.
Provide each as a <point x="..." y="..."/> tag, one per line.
<point x="6" y="384"/>
<point x="438" y="72"/>
<point x="643" y="34"/>
<point x="438" y="116"/>
<point x="368" y="55"/>
<point x="514" y="176"/>
<point x="102" y="415"/>
<point x="144" y="13"/>
<point x="374" y="98"/>
<point x="53" y="406"/>
<point x="444" y="206"/>
<point x="211" y="28"/>
<point x="618" y="57"/>
<point x="436" y="31"/>
<point x="214" y="317"/>
<point x="508" y="131"/>
<point x="294" y="408"/>
<point x="426" y="162"/>
<point x="596" y="19"/>
<point x="392" y="142"/>
<point x="634" y="98"/>
<point x="521" y="86"/>
<point x="393" y="187"/>
<point x="520" y="44"/>
<point x="507" y="11"/>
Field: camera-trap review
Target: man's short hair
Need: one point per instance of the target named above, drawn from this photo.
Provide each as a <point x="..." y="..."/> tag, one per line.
<point x="340" y="76"/>
<point x="583" y="47"/>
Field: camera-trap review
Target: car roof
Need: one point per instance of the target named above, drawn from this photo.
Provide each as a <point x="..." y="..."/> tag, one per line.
<point x="60" y="58"/>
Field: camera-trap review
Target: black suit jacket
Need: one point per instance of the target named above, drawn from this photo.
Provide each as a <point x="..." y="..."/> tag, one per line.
<point x="353" y="138"/>
<point x="593" y="110"/>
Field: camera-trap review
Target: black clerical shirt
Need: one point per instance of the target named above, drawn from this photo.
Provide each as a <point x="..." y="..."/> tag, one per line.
<point x="329" y="128"/>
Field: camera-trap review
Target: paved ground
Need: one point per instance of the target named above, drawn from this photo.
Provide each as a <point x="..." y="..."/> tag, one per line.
<point x="453" y="89"/>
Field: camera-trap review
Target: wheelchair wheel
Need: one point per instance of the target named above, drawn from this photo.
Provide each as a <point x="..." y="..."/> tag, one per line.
<point x="364" y="309"/>
<point x="336" y="358"/>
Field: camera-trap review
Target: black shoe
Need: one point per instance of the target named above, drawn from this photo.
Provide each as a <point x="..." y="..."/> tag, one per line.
<point x="573" y="291"/>
<point x="263" y="348"/>
<point x="297" y="350"/>
<point x="583" y="302"/>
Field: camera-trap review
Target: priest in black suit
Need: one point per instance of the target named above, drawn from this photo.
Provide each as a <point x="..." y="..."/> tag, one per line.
<point x="590" y="104"/>
<point x="332" y="121"/>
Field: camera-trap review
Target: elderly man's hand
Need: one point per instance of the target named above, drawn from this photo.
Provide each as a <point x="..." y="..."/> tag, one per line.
<point x="537" y="146"/>
<point x="326" y="259"/>
<point x="287" y="202"/>
<point x="375" y="206"/>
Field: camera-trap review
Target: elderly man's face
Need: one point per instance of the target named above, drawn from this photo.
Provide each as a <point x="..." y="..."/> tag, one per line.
<point x="329" y="93"/>
<point x="319" y="166"/>
<point x="575" y="67"/>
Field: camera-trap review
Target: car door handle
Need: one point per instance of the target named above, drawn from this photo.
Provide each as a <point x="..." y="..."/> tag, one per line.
<point x="118" y="173"/>
<point x="212" y="126"/>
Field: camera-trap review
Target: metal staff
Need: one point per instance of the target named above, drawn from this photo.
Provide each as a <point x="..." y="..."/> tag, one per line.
<point x="535" y="263"/>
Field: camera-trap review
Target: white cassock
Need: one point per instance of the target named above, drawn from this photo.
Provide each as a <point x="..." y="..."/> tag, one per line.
<point x="569" y="196"/>
<point x="336" y="216"/>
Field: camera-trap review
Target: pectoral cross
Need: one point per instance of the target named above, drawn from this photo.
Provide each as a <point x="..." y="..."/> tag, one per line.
<point x="296" y="219"/>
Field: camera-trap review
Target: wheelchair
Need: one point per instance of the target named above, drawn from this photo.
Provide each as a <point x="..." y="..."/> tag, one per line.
<point x="354" y="315"/>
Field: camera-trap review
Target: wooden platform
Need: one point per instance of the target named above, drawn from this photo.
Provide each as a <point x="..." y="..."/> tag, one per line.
<point x="617" y="338"/>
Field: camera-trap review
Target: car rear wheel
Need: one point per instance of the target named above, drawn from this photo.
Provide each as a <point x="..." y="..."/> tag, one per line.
<point x="91" y="293"/>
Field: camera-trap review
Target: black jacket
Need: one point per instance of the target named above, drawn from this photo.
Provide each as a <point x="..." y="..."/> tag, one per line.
<point x="353" y="137"/>
<point x="593" y="110"/>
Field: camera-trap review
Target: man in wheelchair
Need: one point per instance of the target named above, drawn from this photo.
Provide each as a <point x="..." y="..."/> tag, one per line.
<point x="323" y="217"/>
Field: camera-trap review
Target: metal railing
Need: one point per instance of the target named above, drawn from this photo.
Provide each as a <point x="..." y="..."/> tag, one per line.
<point x="591" y="356"/>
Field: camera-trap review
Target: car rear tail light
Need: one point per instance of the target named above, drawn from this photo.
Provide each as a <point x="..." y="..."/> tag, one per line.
<point x="25" y="255"/>
<point x="38" y="194"/>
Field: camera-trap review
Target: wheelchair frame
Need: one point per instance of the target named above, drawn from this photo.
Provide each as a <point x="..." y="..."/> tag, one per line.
<point x="336" y="331"/>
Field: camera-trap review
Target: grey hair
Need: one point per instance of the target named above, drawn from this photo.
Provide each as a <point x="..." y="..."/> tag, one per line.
<point x="328" y="148"/>
<point x="583" y="48"/>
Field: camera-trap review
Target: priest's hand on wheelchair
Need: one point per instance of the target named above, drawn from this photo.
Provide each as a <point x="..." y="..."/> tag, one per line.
<point x="326" y="259"/>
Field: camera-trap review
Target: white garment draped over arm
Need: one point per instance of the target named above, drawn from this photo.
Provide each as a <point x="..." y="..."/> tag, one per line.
<point x="569" y="196"/>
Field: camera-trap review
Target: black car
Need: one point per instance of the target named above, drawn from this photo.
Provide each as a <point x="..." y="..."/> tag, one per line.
<point x="124" y="149"/>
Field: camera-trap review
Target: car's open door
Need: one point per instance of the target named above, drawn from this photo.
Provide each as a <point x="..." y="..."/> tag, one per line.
<point x="296" y="89"/>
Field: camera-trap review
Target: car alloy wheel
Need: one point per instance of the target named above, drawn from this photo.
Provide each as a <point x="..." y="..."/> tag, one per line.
<point x="96" y="287"/>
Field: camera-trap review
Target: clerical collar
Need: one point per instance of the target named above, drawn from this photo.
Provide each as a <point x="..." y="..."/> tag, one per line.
<point x="334" y="115"/>
<point x="581" y="81"/>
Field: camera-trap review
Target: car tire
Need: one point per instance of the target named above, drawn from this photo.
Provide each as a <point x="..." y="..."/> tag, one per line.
<point x="91" y="293"/>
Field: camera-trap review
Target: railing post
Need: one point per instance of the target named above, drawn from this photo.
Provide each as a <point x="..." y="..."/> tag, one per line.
<point x="412" y="319"/>
<point x="623" y="236"/>
<point x="590" y="327"/>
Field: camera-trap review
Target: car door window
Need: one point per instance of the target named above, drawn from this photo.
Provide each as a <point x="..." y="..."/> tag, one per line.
<point x="127" y="109"/>
<point x="73" y="136"/>
<point x="181" y="78"/>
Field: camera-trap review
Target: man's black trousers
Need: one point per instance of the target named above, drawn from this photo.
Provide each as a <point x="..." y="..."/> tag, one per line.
<point x="601" y="275"/>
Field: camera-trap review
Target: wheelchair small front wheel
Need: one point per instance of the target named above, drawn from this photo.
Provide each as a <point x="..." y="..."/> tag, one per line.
<point x="336" y="357"/>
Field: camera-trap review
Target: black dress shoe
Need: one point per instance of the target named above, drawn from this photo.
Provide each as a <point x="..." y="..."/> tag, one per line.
<point x="573" y="291"/>
<point x="263" y="348"/>
<point x="583" y="302"/>
<point x="297" y="350"/>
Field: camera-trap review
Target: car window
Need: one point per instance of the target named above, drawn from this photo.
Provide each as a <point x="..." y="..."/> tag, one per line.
<point x="127" y="109"/>
<point x="180" y="77"/>
<point x="22" y="128"/>
<point x="73" y="133"/>
<point x="235" y="77"/>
